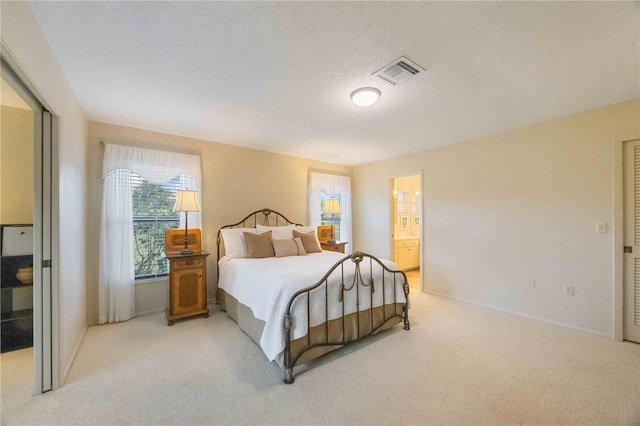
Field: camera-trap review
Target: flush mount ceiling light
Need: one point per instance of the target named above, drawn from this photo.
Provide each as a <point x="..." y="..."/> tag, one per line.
<point x="365" y="96"/>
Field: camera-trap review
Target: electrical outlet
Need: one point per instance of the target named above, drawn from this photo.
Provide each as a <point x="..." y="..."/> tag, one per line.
<point x="568" y="290"/>
<point x="531" y="283"/>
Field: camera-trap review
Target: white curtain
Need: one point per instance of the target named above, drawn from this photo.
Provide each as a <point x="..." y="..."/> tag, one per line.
<point x="155" y="166"/>
<point x="116" y="281"/>
<point x="332" y="185"/>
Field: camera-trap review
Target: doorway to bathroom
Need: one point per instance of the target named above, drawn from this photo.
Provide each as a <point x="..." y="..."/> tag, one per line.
<point x="406" y="227"/>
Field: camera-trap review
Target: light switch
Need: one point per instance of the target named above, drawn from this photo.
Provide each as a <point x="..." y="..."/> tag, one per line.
<point x="601" y="227"/>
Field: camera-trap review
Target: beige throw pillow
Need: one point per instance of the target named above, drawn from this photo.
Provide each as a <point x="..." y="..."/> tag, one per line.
<point x="309" y="241"/>
<point x="288" y="247"/>
<point x="259" y="246"/>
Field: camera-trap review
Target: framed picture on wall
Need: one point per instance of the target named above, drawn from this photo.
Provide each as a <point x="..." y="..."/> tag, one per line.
<point x="416" y="220"/>
<point x="415" y="204"/>
<point x="404" y="221"/>
<point x="402" y="198"/>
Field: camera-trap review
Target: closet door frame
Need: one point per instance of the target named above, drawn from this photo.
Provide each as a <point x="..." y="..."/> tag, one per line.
<point x="46" y="338"/>
<point x="617" y="214"/>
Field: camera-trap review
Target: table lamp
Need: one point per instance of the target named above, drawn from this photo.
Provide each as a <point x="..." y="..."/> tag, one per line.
<point x="187" y="201"/>
<point x="332" y="207"/>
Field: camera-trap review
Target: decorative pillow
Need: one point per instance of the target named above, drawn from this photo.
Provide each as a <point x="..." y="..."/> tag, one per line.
<point x="309" y="241"/>
<point x="304" y="229"/>
<point x="259" y="246"/>
<point x="288" y="247"/>
<point x="234" y="243"/>
<point x="279" y="232"/>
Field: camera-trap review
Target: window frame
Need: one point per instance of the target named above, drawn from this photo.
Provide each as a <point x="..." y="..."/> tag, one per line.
<point x="337" y="184"/>
<point x="154" y="219"/>
<point x="336" y="220"/>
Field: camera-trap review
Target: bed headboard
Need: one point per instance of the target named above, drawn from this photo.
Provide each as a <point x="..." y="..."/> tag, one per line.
<point x="266" y="217"/>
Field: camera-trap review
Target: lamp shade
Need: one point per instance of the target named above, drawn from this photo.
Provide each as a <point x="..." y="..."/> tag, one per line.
<point x="187" y="201"/>
<point x="331" y="207"/>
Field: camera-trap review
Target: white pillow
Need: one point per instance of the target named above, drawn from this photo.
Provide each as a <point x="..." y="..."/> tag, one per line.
<point x="277" y="232"/>
<point x="305" y="229"/>
<point x="234" y="243"/>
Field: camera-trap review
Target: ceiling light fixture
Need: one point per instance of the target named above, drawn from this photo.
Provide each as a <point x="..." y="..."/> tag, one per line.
<point x="365" y="96"/>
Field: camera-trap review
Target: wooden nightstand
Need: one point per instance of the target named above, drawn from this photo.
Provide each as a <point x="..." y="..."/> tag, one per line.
<point x="337" y="246"/>
<point x="187" y="286"/>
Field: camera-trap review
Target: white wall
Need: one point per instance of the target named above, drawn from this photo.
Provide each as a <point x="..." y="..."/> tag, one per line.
<point x="236" y="181"/>
<point x="22" y="34"/>
<point x="506" y="207"/>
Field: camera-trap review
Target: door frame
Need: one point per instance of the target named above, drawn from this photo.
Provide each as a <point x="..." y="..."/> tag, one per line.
<point x="421" y="215"/>
<point x="618" y="232"/>
<point x="18" y="72"/>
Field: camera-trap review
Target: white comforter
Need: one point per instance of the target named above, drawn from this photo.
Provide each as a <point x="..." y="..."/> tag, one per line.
<point x="267" y="285"/>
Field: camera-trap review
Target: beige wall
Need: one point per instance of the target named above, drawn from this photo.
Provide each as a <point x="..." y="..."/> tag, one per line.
<point x="506" y="207"/>
<point x="26" y="42"/>
<point x="16" y="166"/>
<point x="237" y="181"/>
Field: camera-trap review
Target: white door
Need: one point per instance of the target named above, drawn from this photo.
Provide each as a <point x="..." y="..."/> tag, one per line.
<point x="632" y="241"/>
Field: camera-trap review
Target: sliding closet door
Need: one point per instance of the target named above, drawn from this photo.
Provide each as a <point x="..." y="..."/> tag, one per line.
<point x="42" y="231"/>
<point x="632" y="241"/>
<point x="42" y="253"/>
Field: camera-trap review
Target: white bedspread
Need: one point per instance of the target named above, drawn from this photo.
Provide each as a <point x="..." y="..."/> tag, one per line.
<point x="267" y="285"/>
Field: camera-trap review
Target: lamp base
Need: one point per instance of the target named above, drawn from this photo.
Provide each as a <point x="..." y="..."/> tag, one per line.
<point x="185" y="252"/>
<point x="332" y="241"/>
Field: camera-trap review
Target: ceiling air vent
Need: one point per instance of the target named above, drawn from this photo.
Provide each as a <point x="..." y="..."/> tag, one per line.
<point x="397" y="71"/>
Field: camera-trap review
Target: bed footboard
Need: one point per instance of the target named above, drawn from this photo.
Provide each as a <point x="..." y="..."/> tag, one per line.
<point x="354" y="323"/>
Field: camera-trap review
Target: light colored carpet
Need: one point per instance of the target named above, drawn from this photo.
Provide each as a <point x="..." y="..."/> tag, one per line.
<point x="460" y="363"/>
<point x="16" y="381"/>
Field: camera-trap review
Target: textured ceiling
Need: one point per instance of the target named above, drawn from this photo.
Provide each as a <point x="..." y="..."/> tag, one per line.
<point x="277" y="76"/>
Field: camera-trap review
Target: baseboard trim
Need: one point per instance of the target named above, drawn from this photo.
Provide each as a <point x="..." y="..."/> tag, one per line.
<point x="153" y="311"/>
<point x="520" y="314"/>
<point x="67" y="369"/>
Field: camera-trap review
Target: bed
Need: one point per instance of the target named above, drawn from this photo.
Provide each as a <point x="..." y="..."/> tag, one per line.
<point x="297" y="308"/>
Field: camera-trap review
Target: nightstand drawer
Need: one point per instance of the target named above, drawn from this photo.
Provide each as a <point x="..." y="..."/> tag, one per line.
<point x="188" y="263"/>
<point x="337" y="247"/>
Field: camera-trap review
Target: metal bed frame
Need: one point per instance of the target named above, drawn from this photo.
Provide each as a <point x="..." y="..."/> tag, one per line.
<point x="361" y="286"/>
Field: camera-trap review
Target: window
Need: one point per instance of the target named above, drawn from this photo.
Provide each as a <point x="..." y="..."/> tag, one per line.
<point x="329" y="219"/>
<point x="152" y="215"/>
<point x="324" y="187"/>
<point x="142" y="183"/>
